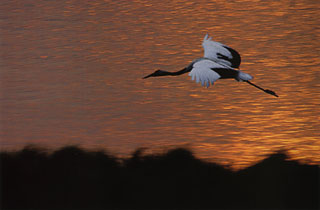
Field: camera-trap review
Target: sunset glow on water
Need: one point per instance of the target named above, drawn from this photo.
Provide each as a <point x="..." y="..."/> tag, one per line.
<point x="71" y="72"/>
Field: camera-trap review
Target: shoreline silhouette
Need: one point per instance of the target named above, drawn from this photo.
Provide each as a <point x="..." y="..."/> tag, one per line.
<point x="74" y="178"/>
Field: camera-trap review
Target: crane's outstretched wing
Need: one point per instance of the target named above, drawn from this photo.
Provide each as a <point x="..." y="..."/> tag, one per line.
<point x="202" y="71"/>
<point x="220" y="53"/>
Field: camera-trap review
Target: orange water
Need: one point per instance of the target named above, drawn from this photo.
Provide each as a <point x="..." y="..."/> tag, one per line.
<point x="71" y="74"/>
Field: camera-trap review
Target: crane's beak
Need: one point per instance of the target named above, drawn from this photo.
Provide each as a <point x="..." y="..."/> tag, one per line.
<point x="156" y="74"/>
<point x="150" y="75"/>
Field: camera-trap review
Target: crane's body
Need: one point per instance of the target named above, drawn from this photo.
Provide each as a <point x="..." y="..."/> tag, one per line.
<point x="219" y="62"/>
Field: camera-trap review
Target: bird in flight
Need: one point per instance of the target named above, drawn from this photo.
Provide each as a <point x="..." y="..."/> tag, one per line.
<point x="219" y="62"/>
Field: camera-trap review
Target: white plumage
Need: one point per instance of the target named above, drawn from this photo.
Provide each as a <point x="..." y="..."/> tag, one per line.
<point x="201" y="72"/>
<point x="212" y="50"/>
<point x="216" y="57"/>
<point x="244" y="76"/>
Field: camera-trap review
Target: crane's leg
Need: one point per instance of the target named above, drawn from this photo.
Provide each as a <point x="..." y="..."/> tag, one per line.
<point x="265" y="90"/>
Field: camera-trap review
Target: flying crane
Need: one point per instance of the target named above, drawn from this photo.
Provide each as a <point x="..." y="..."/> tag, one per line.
<point x="219" y="62"/>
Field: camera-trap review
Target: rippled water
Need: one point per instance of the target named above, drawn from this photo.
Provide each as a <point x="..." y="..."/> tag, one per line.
<point x="71" y="74"/>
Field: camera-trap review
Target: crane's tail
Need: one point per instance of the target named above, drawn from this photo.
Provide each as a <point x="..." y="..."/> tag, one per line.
<point x="244" y="76"/>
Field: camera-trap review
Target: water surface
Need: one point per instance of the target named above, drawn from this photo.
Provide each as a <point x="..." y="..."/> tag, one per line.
<point x="71" y="74"/>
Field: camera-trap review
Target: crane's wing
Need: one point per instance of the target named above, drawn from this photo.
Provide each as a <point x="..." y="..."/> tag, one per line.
<point x="220" y="53"/>
<point x="202" y="71"/>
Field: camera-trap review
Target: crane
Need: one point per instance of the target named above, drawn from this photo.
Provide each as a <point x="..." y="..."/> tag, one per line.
<point x="219" y="62"/>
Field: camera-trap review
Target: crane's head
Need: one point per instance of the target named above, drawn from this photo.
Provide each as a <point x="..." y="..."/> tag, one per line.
<point x="157" y="73"/>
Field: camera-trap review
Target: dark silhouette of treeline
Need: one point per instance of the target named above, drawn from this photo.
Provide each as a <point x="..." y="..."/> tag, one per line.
<point x="73" y="178"/>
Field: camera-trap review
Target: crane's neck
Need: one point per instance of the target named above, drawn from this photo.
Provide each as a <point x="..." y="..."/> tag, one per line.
<point x="182" y="71"/>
